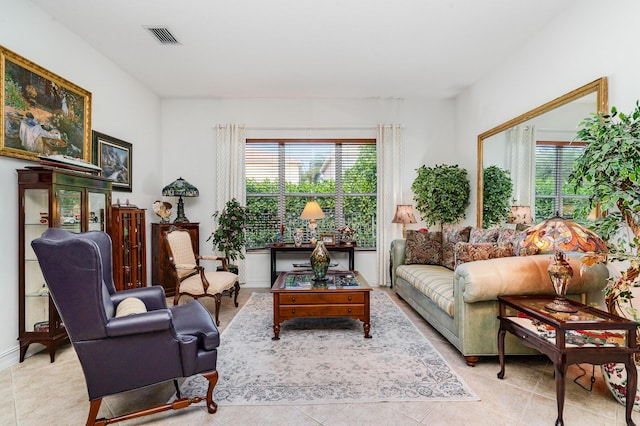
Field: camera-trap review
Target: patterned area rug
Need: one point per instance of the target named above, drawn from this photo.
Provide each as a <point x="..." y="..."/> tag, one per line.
<point x="319" y="361"/>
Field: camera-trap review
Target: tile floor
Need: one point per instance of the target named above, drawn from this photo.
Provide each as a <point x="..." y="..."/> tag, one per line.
<point x="37" y="392"/>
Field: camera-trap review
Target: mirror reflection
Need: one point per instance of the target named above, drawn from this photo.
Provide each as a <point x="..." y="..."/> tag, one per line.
<point x="537" y="149"/>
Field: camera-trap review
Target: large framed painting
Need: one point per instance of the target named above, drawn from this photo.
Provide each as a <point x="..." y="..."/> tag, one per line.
<point x="114" y="156"/>
<point x="42" y="113"/>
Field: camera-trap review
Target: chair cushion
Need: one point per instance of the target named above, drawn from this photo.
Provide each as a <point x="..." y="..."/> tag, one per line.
<point x="181" y="250"/>
<point x="130" y="306"/>
<point x="218" y="282"/>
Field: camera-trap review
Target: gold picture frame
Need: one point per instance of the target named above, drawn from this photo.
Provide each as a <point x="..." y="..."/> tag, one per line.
<point x="328" y="238"/>
<point x="42" y="113"/>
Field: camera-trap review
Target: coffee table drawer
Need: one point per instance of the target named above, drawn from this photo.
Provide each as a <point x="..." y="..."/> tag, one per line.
<point x="315" y="298"/>
<point x="321" y="310"/>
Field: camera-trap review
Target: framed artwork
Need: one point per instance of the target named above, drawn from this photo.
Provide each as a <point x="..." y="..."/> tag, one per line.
<point x="42" y="113"/>
<point x="114" y="157"/>
<point x="328" y="238"/>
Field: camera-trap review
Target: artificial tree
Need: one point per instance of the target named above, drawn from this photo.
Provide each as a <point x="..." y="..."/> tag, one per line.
<point x="441" y="194"/>
<point x="229" y="236"/>
<point x="497" y="188"/>
<point x="609" y="168"/>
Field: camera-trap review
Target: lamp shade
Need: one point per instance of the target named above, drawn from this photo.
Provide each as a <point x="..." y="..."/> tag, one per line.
<point x="312" y="211"/>
<point x="520" y="215"/>
<point x="180" y="188"/>
<point x="404" y="214"/>
<point x="562" y="234"/>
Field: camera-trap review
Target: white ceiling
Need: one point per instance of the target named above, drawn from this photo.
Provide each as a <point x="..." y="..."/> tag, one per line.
<point x="307" y="48"/>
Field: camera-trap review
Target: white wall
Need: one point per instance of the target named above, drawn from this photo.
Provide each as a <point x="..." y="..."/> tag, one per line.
<point x="189" y="135"/>
<point x="122" y="107"/>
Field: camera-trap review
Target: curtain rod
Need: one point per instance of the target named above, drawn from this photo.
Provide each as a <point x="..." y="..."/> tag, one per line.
<point x="220" y="126"/>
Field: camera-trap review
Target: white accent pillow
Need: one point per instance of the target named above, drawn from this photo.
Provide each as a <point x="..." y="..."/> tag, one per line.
<point x="130" y="306"/>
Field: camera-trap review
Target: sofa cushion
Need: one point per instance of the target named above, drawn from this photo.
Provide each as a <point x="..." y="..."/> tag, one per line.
<point x="469" y="252"/>
<point x="423" y="248"/>
<point x="435" y="282"/>
<point x="515" y="238"/>
<point x="481" y="235"/>
<point x="451" y="235"/>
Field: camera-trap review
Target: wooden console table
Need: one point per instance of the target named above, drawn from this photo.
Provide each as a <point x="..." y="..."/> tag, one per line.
<point x="589" y="335"/>
<point x="288" y="248"/>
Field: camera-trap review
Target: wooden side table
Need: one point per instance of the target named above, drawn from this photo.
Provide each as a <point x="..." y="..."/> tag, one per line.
<point x="562" y="337"/>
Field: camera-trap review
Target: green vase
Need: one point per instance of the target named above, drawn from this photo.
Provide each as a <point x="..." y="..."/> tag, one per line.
<point x="320" y="261"/>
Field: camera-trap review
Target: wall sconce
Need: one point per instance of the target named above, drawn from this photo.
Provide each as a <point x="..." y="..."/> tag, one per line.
<point x="180" y="188"/>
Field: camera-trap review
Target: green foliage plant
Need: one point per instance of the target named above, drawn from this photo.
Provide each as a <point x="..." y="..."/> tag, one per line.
<point x="229" y="236"/>
<point x="496" y="195"/>
<point x="609" y="167"/>
<point x="441" y="194"/>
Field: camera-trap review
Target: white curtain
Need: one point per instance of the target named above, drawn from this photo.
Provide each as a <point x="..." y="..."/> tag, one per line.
<point x="230" y="180"/>
<point x="389" y="141"/>
<point x="522" y="164"/>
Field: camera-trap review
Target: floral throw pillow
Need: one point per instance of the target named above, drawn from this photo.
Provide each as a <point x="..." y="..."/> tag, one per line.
<point x="481" y="235"/>
<point x="451" y="235"/>
<point x="470" y="252"/>
<point x="423" y="248"/>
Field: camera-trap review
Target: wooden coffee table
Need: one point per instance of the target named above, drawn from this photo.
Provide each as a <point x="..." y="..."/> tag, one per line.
<point x="343" y="294"/>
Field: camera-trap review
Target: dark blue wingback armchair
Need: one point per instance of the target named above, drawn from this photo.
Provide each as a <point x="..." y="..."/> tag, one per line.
<point x="119" y="354"/>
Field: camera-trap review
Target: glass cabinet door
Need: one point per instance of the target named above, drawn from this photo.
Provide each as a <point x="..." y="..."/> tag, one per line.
<point x="36" y="221"/>
<point x="70" y="210"/>
<point x="97" y="208"/>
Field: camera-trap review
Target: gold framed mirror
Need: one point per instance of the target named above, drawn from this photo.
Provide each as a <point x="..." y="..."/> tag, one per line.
<point x="590" y="98"/>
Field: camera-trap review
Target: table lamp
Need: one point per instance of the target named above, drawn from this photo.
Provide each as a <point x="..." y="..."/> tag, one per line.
<point x="180" y="188"/>
<point x="312" y="211"/>
<point x="562" y="235"/>
<point x="404" y="215"/>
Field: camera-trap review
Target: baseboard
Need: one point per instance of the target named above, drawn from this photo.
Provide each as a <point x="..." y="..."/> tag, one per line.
<point x="10" y="357"/>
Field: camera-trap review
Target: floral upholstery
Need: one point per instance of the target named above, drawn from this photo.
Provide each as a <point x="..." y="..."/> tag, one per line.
<point x="424" y="248"/>
<point x="468" y="252"/>
<point x="451" y="235"/>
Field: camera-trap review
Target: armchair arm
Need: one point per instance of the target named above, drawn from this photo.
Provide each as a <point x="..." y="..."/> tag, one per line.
<point x="397" y="256"/>
<point x="140" y="323"/>
<point x="218" y="258"/>
<point x="153" y="297"/>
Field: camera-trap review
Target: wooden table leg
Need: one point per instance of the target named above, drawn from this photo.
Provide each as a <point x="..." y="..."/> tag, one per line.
<point x="632" y="386"/>
<point x="501" y="334"/>
<point x="560" y="369"/>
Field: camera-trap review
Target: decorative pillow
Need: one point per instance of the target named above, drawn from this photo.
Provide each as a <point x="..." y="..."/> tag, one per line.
<point x="469" y="252"/>
<point x="451" y="235"/>
<point x="506" y="235"/>
<point x="423" y="248"/>
<point x="481" y="235"/>
<point x="130" y="306"/>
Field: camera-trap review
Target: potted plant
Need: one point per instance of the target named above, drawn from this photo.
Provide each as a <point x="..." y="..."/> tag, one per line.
<point x="441" y="194"/>
<point x="229" y="236"/>
<point x="609" y="168"/>
<point x="497" y="187"/>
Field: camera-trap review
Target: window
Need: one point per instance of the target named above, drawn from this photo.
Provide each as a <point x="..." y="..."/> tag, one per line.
<point x="282" y="175"/>
<point x="554" y="163"/>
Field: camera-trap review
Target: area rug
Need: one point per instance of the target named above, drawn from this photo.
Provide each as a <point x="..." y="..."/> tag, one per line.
<point x="328" y="360"/>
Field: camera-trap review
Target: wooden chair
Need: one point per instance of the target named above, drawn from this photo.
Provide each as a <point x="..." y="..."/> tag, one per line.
<point x="192" y="278"/>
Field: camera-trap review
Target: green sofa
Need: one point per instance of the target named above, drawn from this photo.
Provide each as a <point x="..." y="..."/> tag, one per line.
<point x="462" y="303"/>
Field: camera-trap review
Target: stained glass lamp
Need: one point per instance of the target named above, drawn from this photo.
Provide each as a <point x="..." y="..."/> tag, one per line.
<point x="180" y="188"/>
<point x="562" y="235"/>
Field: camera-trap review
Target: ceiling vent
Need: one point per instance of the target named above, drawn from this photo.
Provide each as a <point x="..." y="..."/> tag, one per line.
<point x="163" y="35"/>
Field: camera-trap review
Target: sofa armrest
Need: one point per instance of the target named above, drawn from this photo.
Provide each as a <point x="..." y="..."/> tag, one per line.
<point x="398" y="256"/>
<point x="485" y="280"/>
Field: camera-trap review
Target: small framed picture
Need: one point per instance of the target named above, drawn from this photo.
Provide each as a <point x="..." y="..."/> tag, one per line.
<point x="328" y="238"/>
<point x="114" y="156"/>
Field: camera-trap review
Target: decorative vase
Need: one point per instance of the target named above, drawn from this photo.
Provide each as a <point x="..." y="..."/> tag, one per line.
<point x="297" y="237"/>
<point x="320" y="261"/>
